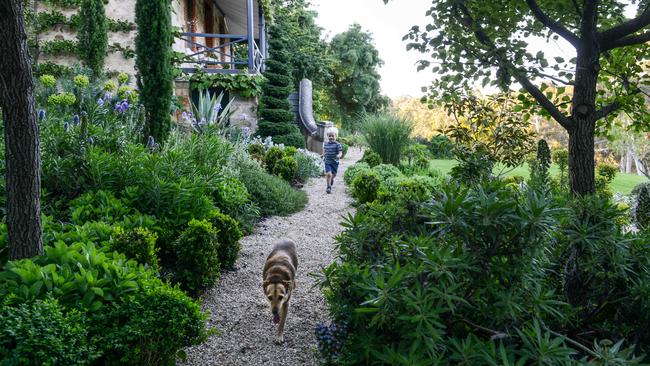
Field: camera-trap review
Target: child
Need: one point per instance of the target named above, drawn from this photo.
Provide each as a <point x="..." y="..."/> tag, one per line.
<point x="332" y="151"/>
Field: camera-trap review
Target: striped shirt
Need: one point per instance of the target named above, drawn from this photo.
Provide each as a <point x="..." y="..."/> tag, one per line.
<point x="331" y="150"/>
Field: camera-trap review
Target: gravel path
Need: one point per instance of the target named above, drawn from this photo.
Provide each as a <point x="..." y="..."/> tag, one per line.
<point x="239" y="310"/>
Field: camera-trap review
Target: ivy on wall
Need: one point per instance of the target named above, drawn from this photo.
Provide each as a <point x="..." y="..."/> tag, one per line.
<point x="58" y="47"/>
<point x="48" y="19"/>
<point x="127" y="52"/>
<point x="50" y="68"/>
<point x="245" y="85"/>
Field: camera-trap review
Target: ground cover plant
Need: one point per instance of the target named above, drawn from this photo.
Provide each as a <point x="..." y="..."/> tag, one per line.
<point x="496" y="272"/>
<point x="128" y="227"/>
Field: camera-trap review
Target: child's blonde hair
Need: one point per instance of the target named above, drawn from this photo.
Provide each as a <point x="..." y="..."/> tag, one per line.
<point x="332" y="131"/>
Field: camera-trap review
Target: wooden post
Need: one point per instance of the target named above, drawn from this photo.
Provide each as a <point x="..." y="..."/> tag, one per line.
<point x="251" y="35"/>
<point x="262" y="22"/>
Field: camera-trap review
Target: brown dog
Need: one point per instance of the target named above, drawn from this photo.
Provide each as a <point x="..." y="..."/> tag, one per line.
<point x="279" y="281"/>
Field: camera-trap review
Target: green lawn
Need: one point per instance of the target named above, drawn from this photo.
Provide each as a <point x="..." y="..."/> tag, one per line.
<point x="623" y="183"/>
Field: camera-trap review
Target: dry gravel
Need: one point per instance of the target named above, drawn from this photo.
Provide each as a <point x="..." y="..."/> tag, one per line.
<point x="239" y="310"/>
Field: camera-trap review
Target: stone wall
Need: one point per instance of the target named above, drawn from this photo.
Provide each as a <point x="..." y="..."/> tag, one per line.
<point x="244" y="112"/>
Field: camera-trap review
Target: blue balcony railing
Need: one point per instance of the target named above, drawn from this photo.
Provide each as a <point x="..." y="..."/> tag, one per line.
<point x="220" y="58"/>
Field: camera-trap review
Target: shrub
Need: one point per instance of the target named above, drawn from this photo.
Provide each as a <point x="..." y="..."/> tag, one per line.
<point x="44" y="333"/>
<point x="154" y="64"/>
<point x="605" y="174"/>
<point x="138" y="244"/>
<point x="407" y="190"/>
<point x="365" y="186"/>
<point x="539" y="178"/>
<point x="352" y="171"/>
<point x="441" y="147"/>
<point x="286" y="168"/>
<point x="197" y="264"/>
<point x="273" y="195"/>
<point x="292" y="139"/>
<point x="228" y="234"/>
<point x="371" y="158"/>
<point x="152" y="328"/>
<point x="388" y="135"/>
<point x="310" y="165"/>
<point x="272" y="157"/>
<point x="387" y="171"/>
<point x="98" y="206"/>
<point x="413" y="152"/>
<point x="472" y="168"/>
<point x="345" y="148"/>
<point x="107" y="289"/>
<point x="641" y="212"/>
<point x="257" y="152"/>
<point x="91" y="35"/>
<point x="561" y="158"/>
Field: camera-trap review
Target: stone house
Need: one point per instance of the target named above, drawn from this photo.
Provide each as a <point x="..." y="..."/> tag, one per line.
<point x="215" y="36"/>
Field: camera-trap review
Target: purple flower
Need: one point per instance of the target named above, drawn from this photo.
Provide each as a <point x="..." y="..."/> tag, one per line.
<point x="125" y="105"/>
<point x="90" y="140"/>
<point x="75" y="119"/>
<point x="66" y="126"/>
<point x="41" y="114"/>
<point x="244" y="116"/>
<point x="184" y="115"/>
<point x="121" y="107"/>
<point x="218" y="107"/>
<point x="100" y="102"/>
<point x="108" y="96"/>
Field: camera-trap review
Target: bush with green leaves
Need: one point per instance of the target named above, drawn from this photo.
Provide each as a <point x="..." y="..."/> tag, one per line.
<point x="605" y="174"/>
<point x="388" y="135"/>
<point x="408" y="190"/>
<point x="92" y="35"/>
<point x="441" y="147"/>
<point x="272" y="157"/>
<point x="132" y="316"/>
<point x="257" y="151"/>
<point x="473" y="167"/>
<point x="352" y="171"/>
<point x="44" y="333"/>
<point x="197" y="264"/>
<point x="273" y="195"/>
<point x="641" y="211"/>
<point x="310" y="165"/>
<point x="365" y="186"/>
<point x="286" y="168"/>
<point x="371" y="158"/>
<point x="487" y="275"/>
<point x="539" y="167"/>
<point x="561" y="158"/>
<point x="387" y="171"/>
<point x="228" y="234"/>
<point x="138" y="244"/>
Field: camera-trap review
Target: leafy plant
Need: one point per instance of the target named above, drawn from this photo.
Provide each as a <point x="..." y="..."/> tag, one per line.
<point x="388" y="135"/>
<point x="228" y="234"/>
<point x="197" y="257"/>
<point x="371" y="157"/>
<point x="44" y="333"/>
<point x="286" y="168"/>
<point x="352" y="171"/>
<point x="138" y="244"/>
<point x="210" y="112"/>
<point x="365" y="186"/>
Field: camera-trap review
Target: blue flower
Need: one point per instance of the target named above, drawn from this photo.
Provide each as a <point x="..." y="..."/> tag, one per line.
<point x="151" y="143"/>
<point x="100" y="102"/>
<point x="184" y="115"/>
<point x="125" y="105"/>
<point x="66" y="126"/>
<point x="41" y="114"/>
<point x="217" y="107"/>
<point x="75" y="119"/>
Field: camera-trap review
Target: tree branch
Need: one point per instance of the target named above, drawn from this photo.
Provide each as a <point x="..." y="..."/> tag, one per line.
<point x="606" y="110"/>
<point x="624" y="29"/>
<point x="626" y="41"/>
<point x="467" y="20"/>
<point x="555" y="78"/>
<point x="551" y="24"/>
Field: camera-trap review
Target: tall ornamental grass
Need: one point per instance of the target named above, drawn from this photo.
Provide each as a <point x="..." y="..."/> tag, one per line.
<point x="388" y="135"/>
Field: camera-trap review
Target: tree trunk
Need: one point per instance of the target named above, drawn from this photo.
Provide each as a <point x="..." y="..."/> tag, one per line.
<point x="628" y="160"/>
<point x="581" y="158"/>
<point x="21" y="135"/>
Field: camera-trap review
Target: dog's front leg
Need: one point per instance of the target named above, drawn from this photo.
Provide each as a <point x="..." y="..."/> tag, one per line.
<point x="283" y="316"/>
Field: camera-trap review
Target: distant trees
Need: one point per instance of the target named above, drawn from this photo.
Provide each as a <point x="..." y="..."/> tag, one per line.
<point x="468" y="41"/>
<point x="355" y="80"/>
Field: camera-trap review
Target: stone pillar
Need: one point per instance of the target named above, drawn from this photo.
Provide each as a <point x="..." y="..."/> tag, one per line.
<point x="315" y="142"/>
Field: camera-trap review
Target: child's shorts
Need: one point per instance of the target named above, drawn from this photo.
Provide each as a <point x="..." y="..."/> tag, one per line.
<point x="331" y="167"/>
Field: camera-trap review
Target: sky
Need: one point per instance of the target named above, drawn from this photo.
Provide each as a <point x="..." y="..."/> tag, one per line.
<point x="388" y="24"/>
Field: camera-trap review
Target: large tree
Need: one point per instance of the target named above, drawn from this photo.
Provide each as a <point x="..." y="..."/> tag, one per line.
<point x="92" y="36"/>
<point x="355" y="81"/>
<point x="22" y="154"/>
<point x="470" y="40"/>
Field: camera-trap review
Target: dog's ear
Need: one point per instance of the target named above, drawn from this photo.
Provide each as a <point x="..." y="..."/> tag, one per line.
<point x="265" y="283"/>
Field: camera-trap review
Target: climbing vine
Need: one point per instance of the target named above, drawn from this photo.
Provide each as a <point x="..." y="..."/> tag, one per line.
<point x="127" y="52"/>
<point x="245" y="85"/>
<point x="46" y="20"/>
<point x="58" y="47"/>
